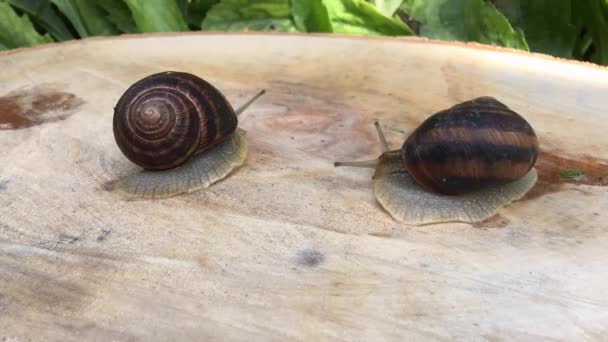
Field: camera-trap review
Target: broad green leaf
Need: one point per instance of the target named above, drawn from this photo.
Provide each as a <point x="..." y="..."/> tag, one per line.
<point x="94" y="18"/>
<point x="157" y="15"/>
<point x="44" y="14"/>
<point x="360" y="17"/>
<point x="240" y="15"/>
<point x="491" y="27"/>
<point x="595" y="17"/>
<point x="87" y="17"/>
<point x="584" y="40"/>
<point x="197" y="9"/>
<point x="465" y="20"/>
<point x="183" y="7"/>
<point x="582" y="46"/>
<point x="119" y="14"/>
<point x="547" y="24"/>
<point x="406" y="5"/>
<point x="16" y="31"/>
<point x="70" y="10"/>
<point x="387" y="7"/>
<point x="311" y="16"/>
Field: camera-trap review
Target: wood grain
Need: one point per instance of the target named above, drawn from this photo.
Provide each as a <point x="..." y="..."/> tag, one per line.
<point x="287" y="247"/>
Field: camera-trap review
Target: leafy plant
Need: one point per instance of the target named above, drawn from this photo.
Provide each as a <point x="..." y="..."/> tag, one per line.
<point x="564" y="28"/>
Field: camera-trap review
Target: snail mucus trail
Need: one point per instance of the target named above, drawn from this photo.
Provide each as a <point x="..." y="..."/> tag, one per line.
<point x="461" y="164"/>
<point x="181" y="130"/>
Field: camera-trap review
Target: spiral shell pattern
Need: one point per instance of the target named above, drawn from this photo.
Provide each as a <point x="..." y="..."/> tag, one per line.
<point x="164" y="119"/>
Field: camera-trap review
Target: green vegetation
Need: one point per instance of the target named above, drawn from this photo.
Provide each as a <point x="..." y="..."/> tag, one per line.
<point x="571" y="174"/>
<point x="565" y="28"/>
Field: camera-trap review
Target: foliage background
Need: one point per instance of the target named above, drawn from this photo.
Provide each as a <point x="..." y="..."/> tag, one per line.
<point x="575" y="29"/>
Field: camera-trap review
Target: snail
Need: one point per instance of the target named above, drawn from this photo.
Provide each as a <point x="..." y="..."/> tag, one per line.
<point x="181" y="130"/>
<point x="460" y="164"/>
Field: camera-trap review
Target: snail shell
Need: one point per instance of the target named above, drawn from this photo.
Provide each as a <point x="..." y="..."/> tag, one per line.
<point x="166" y="118"/>
<point x="181" y="130"/>
<point x="461" y="164"/>
<point x="472" y="145"/>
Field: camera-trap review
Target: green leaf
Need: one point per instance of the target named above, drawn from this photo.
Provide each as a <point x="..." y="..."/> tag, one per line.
<point x="594" y="17"/>
<point x="94" y="18"/>
<point x="345" y="16"/>
<point x="16" y="31"/>
<point x="406" y="5"/>
<point x="157" y="15"/>
<point x="465" y="20"/>
<point x="44" y="14"/>
<point x="183" y="7"/>
<point x="360" y="17"/>
<point x="240" y="15"/>
<point x="547" y="24"/>
<point x="311" y="16"/>
<point x="387" y="7"/>
<point x="197" y="10"/>
<point x="119" y="14"/>
<point x="571" y="174"/>
<point x="582" y="46"/>
<point x="87" y="17"/>
<point x="70" y="10"/>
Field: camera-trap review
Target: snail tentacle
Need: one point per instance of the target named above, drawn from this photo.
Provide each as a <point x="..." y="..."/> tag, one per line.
<point x="244" y="106"/>
<point x="366" y="163"/>
<point x="383" y="142"/>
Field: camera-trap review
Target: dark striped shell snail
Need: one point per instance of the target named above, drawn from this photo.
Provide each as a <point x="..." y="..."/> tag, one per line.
<point x="181" y="130"/>
<point x="461" y="164"/>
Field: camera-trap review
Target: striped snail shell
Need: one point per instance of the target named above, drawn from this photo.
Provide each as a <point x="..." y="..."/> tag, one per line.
<point x="475" y="144"/>
<point x="164" y="119"/>
<point x="460" y="164"/>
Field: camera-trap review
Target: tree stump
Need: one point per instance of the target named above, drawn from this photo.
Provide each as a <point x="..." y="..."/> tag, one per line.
<point x="289" y="247"/>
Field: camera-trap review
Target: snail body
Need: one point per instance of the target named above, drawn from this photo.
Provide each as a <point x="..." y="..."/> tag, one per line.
<point x="181" y="130"/>
<point x="460" y="164"/>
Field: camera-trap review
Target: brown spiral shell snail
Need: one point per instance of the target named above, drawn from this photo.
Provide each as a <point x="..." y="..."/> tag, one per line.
<point x="461" y="164"/>
<point x="181" y="130"/>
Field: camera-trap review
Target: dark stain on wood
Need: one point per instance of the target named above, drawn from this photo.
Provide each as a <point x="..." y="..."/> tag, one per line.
<point x="496" y="221"/>
<point x="381" y="234"/>
<point x="103" y="235"/>
<point x="37" y="288"/>
<point x="109" y="185"/>
<point x="203" y="261"/>
<point x="310" y="257"/>
<point x="29" y="107"/>
<point x="67" y="238"/>
<point x="3" y="184"/>
<point x="78" y="327"/>
<point x="549" y="166"/>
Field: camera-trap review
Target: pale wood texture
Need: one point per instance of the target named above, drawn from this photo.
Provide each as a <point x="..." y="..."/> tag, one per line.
<point x="289" y="247"/>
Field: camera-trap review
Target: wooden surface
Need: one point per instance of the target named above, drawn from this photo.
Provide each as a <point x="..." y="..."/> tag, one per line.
<point x="289" y="248"/>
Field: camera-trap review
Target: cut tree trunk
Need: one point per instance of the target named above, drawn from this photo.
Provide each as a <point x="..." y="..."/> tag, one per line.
<point x="289" y="247"/>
